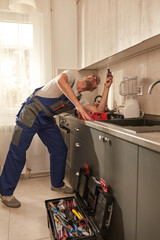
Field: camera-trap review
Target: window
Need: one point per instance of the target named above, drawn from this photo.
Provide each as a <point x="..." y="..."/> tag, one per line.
<point x="16" y="40"/>
<point x="25" y="59"/>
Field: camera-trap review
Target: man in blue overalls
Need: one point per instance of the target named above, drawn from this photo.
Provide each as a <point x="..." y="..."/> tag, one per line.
<point x="61" y="94"/>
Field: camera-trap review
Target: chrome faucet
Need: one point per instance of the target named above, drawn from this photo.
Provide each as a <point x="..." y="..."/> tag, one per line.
<point x="152" y="86"/>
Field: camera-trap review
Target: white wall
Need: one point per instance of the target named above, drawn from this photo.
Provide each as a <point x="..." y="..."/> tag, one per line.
<point x="64" y="26"/>
<point x="44" y="8"/>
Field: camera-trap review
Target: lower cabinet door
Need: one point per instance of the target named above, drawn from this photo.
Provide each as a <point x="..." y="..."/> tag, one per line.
<point x="77" y="157"/>
<point x="121" y="175"/>
<point x="95" y="154"/>
<point x="148" y="214"/>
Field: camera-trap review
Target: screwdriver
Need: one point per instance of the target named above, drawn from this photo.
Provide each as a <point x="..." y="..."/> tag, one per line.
<point x="108" y="74"/>
<point x="108" y="69"/>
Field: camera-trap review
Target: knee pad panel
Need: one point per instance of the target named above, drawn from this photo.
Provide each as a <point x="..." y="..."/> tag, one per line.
<point x="16" y="135"/>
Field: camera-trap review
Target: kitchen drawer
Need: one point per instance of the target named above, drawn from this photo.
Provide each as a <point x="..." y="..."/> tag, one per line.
<point x="78" y="130"/>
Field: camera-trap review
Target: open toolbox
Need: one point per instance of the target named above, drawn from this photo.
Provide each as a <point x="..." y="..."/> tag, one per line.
<point x="86" y="215"/>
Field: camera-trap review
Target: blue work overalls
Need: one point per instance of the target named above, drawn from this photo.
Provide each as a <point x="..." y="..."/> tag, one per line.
<point x="36" y="116"/>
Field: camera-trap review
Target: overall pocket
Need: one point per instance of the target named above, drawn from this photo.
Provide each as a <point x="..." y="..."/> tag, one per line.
<point x="29" y="114"/>
<point x="61" y="106"/>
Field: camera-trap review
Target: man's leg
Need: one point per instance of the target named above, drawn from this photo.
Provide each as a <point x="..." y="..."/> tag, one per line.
<point x="52" y="138"/>
<point x="15" y="160"/>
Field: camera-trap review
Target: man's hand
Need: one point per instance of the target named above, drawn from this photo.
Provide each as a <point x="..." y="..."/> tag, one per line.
<point x="108" y="81"/>
<point x="82" y="112"/>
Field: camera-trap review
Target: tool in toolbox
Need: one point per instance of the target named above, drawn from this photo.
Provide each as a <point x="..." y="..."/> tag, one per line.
<point x="68" y="209"/>
<point x="70" y="205"/>
<point x="61" y="221"/>
<point x="83" y="222"/>
<point x="70" y="227"/>
<point x="57" y="213"/>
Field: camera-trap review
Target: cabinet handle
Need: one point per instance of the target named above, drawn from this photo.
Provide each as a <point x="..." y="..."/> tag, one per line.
<point x="77" y="145"/>
<point x="101" y="137"/>
<point x="104" y="139"/>
<point x="77" y="129"/>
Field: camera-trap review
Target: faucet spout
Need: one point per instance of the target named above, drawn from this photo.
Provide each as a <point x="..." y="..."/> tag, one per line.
<point x="152" y="86"/>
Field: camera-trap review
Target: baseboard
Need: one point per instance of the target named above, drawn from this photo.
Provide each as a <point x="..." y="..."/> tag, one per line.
<point x="36" y="174"/>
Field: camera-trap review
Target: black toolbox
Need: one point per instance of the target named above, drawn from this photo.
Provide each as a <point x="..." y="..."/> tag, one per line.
<point x="86" y="215"/>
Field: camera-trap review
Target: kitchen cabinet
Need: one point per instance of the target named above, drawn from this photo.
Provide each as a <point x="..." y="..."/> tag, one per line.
<point x="148" y="195"/>
<point x="115" y="160"/>
<point x="95" y="155"/>
<point x="107" y="28"/>
<point x="128" y="25"/>
<point x="77" y="150"/>
<point x="131" y="171"/>
<point x="121" y="175"/>
<point x="96" y="34"/>
<point x="150" y="18"/>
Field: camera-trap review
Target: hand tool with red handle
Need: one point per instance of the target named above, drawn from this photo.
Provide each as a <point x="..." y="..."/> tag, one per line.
<point x="82" y="221"/>
<point x="58" y="214"/>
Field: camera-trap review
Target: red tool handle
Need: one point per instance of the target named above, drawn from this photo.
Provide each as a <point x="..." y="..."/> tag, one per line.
<point x="86" y="168"/>
<point x="59" y="234"/>
<point x="83" y="222"/>
<point x="104" y="187"/>
<point x="65" y="233"/>
<point x="58" y="107"/>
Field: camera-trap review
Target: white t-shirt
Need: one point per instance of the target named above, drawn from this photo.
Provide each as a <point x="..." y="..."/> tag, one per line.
<point x="52" y="90"/>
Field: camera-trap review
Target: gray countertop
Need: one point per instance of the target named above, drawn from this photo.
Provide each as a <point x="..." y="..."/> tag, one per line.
<point x="150" y="140"/>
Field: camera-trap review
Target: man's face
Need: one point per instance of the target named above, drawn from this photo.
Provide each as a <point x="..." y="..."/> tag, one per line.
<point x="92" y="83"/>
<point x="93" y="86"/>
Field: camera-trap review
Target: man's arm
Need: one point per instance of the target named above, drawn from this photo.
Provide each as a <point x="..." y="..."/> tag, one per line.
<point x="67" y="90"/>
<point x="102" y="105"/>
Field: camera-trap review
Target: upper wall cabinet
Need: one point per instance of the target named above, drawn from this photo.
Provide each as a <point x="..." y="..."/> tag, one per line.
<point x="150" y="18"/>
<point x="96" y="34"/>
<point x="108" y="27"/>
<point x="128" y="24"/>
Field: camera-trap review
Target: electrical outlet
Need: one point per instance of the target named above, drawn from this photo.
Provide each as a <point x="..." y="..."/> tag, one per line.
<point x="140" y="90"/>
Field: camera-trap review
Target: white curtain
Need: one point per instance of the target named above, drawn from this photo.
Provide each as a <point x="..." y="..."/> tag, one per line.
<point x="21" y="67"/>
<point x="21" y="61"/>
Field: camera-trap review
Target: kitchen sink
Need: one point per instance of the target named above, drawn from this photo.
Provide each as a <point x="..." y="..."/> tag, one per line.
<point x="137" y="125"/>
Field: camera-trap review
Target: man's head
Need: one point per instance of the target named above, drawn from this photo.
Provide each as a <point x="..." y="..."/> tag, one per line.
<point x="92" y="82"/>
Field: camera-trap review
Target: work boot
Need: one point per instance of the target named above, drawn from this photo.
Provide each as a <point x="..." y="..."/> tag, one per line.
<point x="63" y="189"/>
<point x="10" y="201"/>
